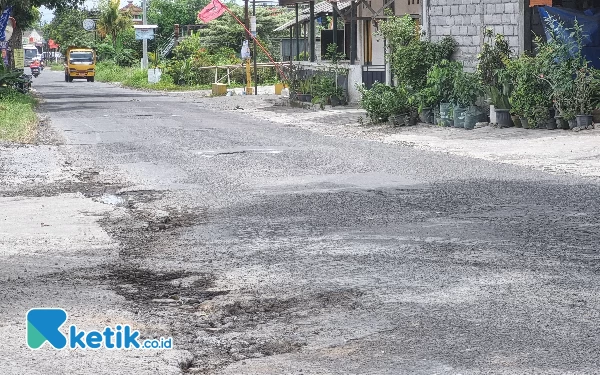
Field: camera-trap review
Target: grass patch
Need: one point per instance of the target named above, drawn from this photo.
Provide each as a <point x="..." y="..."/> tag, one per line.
<point x="137" y="78"/>
<point x="57" y="67"/>
<point x="17" y="116"/>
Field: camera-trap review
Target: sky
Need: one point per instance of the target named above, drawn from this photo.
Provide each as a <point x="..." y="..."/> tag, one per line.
<point x="47" y="14"/>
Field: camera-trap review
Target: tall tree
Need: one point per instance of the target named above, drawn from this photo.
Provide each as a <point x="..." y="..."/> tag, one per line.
<point x="25" y="13"/>
<point x="166" y="13"/>
<point x="112" y="21"/>
<point x="66" y="28"/>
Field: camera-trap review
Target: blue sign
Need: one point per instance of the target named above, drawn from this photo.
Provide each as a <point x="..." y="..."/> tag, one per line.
<point x="4" y="21"/>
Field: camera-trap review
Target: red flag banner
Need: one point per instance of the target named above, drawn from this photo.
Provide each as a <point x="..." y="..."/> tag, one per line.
<point x="213" y="10"/>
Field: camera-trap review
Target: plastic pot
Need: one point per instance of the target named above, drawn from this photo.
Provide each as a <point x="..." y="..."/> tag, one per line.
<point x="459" y="116"/>
<point x="516" y="120"/>
<point x="445" y="109"/>
<point x="596" y="115"/>
<point x="503" y="118"/>
<point x="583" y="121"/>
<point x="561" y="123"/>
<point x="472" y="116"/>
<point x="426" y="115"/>
<point x="572" y="123"/>
<point x="551" y="123"/>
<point x="524" y="122"/>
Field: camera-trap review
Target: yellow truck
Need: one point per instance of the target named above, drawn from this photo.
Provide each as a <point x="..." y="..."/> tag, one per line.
<point x="80" y="63"/>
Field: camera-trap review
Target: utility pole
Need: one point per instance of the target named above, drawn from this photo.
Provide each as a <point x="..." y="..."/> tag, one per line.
<point x="248" y="74"/>
<point x="145" y="41"/>
<point x="254" y="53"/>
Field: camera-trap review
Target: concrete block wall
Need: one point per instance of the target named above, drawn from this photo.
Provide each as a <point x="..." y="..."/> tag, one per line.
<point x="465" y="20"/>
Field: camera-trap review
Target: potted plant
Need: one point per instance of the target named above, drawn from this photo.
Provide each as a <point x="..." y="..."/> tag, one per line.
<point x="530" y="95"/>
<point x="491" y="69"/>
<point x="583" y="96"/>
<point x="305" y="90"/>
<point x="426" y="99"/>
<point x="467" y="90"/>
<point x="399" y="106"/>
<point x="441" y="80"/>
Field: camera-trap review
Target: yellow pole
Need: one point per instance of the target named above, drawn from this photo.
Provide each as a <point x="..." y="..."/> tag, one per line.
<point x="248" y="78"/>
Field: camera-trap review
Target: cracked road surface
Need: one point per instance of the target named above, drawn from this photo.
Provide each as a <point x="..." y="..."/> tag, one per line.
<point x="263" y="248"/>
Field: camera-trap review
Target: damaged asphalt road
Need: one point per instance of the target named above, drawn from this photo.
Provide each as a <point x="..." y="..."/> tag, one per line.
<point x="263" y="248"/>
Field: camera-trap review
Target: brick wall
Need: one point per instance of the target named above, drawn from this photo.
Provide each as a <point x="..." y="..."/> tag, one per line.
<point x="465" y="20"/>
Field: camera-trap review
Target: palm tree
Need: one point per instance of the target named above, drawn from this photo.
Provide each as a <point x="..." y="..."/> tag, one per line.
<point x="112" y="21"/>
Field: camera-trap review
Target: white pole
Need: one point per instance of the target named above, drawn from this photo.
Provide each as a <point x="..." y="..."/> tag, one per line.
<point x="145" y="41"/>
<point x="388" y="65"/>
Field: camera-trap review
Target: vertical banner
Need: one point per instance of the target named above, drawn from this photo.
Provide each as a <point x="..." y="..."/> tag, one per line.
<point x="19" y="55"/>
<point x="4" y="21"/>
<point x="4" y="45"/>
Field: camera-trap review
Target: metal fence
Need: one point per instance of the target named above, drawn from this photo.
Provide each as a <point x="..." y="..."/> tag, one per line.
<point x="372" y="74"/>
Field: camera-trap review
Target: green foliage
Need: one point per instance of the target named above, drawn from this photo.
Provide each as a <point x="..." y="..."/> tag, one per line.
<point x="411" y="58"/>
<point x="112" y="21"/>
<point x="9" y="77"/>
<point x="26" y="12"/>
<point x="167" y="13"/>
<point x="491" y="68"/>
<point x="399" y="31"/>
<point x="573" y="82"/>
<point x="427" y="97"/>
<point x="333" y="55"/>
<point x="383" y="101"/>
<point x="111" y="72"/>
<point x="467" y="88"/>
<point x="133" y="77"/>
<point x="119" y="55"/>
<point x="441" y="80"/>
<point x="530" y="96"/>
<point x="190" y="56"/>
<point x="324" y="86"/>
<point x="226" y="32"/>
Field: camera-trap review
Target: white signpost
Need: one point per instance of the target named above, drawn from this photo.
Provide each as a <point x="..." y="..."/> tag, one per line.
<point x="146" y="33"/>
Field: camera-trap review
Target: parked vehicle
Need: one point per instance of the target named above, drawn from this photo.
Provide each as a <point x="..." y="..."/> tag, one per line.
<point x="80" y="63"/>
<point x="23" y="85"/>
<point x="31" y="53"/>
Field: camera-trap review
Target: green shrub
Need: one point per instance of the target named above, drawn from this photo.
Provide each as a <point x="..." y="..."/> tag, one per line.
<point x="411" y="58"/>
<point x="382" y="101"/>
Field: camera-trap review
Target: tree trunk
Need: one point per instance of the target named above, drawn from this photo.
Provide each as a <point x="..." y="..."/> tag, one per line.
<point x="16" y="42"/>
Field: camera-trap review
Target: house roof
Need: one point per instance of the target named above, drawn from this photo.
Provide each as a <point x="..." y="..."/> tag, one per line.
<point x="130" y="7"/>
<point x="321" y="8"/>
